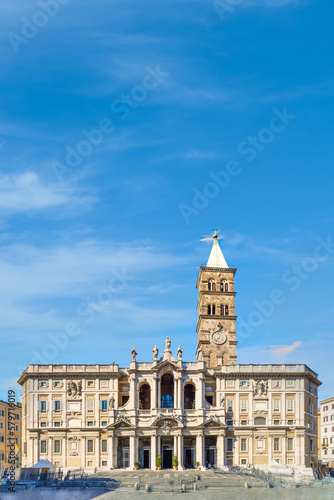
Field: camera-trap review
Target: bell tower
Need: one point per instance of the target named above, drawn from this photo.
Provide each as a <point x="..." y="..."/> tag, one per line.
<point x="216" y="310"/>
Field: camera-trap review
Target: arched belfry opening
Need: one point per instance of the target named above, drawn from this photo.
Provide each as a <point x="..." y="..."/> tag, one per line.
<point x="167" y="391"/>
<point x="145" y="397"/>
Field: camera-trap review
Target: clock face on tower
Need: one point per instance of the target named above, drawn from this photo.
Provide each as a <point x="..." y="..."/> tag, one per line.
<point x="218" y="337"/>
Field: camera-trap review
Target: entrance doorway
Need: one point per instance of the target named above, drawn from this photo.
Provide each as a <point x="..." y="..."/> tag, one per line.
<point x="123" y="453"/>
<point x="189" y="447"/>
<point x="167" y="450"/>
<point x="146" y="459"/>
<point x="167" y="459"/>
<point x="211" y="452"/>
<point x="145" y="452"/>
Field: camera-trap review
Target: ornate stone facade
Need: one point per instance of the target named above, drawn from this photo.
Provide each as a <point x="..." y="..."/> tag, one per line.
<point x="212" y="410"/>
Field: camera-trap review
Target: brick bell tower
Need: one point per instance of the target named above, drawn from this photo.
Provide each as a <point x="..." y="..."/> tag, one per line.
<point x="216" y="310"/>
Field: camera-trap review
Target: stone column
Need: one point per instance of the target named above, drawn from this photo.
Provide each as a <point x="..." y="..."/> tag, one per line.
<point x="159" y="393"/>
<point x="236" y="450"/>
<point x="50" y="450"/>
<point x="97" y="451"/>
<point x="111" y="456"/>
<point x="154" y="399"/>
<point x="180" y="451"/>
<point x="132" y="391"/>
<point x="220" y="451"/>
<point x="132" y="452"/>
<point x="250" y="441"/>
<point x="284" y="449"/>
<point x="83" y="452"/>
<point x="302" y="449"/>
<point x="179" y="392"/>
<point x="199" y="450"/>
<point x="153" y="451"/>
<point x="297" y="450"/>
<point x="269" y="448"/>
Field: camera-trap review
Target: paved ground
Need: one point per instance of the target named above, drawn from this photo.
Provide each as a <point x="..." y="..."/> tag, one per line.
<point x="324" y="493"/>
<point x="47" y="494"/>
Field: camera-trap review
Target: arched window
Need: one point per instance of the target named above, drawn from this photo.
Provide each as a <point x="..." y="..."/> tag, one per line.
<point x="224" y="310"/>
<point x="211" y="309"/>
<point x="211" y="286"/>
<point x="167" y="391"/>
<point x="189" y="397"/>
<point x="145" y="397"/>
<point x="260" y="421"/>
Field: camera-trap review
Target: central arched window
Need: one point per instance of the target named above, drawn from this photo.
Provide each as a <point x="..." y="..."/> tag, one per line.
<point x="167" y="401"/>
<point x="211" y="286"/>
<point x="167" y="391"/>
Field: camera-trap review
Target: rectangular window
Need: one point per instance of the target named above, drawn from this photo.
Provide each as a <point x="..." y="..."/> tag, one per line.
<point x="2" y="413"/>
<point x="104" y="423"/>
<point x="57" y="424"/>
<point x="2" y="439"/>
<point x="90" y="404"/>
<point x="325" y="429"/>
<point x="230" y="405"/>
<point x="43" y="446"/>
<point x="229" y="444"/>
<point x="244" y="405"/>
<point x="276" y="404"/>
<point x="209" y="388"/>
<point x="90" y="383"/>
<point x="43" y="424"/>
<point x="17" y="416"/>
<point x="57" y="405"/>
<point x="17" y="428"/>
<point x="325" y="419"/>
<point x="311" y="407"/>
<point x="260" y="446"/>
<point x="2" y="457"/>
<point x="243" y="383"/>
<point x="243" y="461"/>
<point x="243" y="444"/>
<point x="332" y="417"/>
<point x="57" y="384"/>
<point x="276" y="422"/>
<point x="90" y="446"/>
<point x="90" y="423"/>
<point x="311" y="426"/>
<point x="290" y="383"/>
<point x="276" y="383"/>
<point x="311" y="445"/>
<point x="104" y="404"/>
<point x="1" y="425"/>
<point x="104" y="446"/>
<point x="290" y="444"/>
<point x="277" y="444"/>
<point x="229" y="423"/>
<point x="104" y="383"/>
<point x="57" y="446"/>
<point x="43" y="405"/>
<point x="229" y="383"/>
<point x="290" y="405"/>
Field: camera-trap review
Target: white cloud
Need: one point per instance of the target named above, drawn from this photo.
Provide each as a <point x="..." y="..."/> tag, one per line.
<point x="25" y="192"/>
<point x="284" y="350"/>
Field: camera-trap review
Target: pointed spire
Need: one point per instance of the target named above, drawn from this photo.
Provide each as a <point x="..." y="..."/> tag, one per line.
<point x="216" y="258"/>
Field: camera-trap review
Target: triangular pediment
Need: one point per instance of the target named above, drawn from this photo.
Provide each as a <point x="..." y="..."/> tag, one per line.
<point x="212" y="422"/>
<point x="163" y="420"/>
<point x="167" y="363"/>
<point x="121" y="422"/>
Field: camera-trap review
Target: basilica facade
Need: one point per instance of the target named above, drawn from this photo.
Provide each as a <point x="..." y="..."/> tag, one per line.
<point x="211" y="412"/>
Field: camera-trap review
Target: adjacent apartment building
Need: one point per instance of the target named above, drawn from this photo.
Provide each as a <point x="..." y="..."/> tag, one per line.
<point x="210" y="410"/>
<point x="326" y="432"/>
<point x="10" y="432"/>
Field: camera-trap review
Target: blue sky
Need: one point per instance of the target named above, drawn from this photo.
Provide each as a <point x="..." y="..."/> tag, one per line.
<point x="194" y="117"/>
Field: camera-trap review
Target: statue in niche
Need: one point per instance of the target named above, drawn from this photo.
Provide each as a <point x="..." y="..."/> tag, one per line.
<point x="133" y="354"/>
<point x="79" y="388"/>
<point x="112" y="402"/>
<point x="222" y="403"/>
<point x="200" y="354"/>
<point x="155" y="351"/>
<point x="260" y="388"/>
